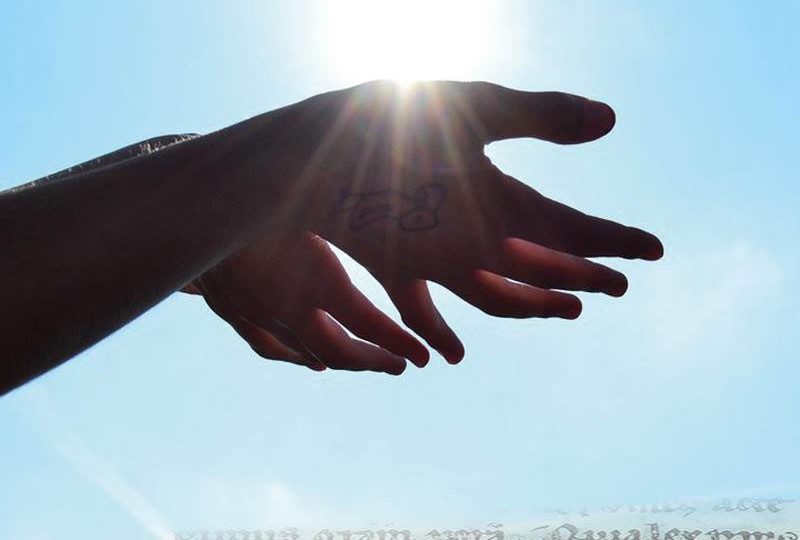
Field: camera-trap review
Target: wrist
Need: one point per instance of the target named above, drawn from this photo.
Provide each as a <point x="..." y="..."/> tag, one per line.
<point x="282" y="153"/>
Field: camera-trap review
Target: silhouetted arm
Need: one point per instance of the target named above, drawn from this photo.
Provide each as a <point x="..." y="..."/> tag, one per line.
<point x="394" y="176"/>
<point x="86" y="250"/>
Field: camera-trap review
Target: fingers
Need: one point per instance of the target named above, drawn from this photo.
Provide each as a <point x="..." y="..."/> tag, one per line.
<point x="297" y="326"/>
<point x="534" y="217"/>
<point x="550" y="269"/>
<point x="334" y="348"/>
<point x="590" y="236"/>
<point x="360" y="316"/>
<point x="413" y="300"/>
<point x="561" y="118"/>
<point x="263" y="343"/>
<point x="349" y="306"/>
<point x="267" y="345"/>
<point x="497" y="296"/>
<point x="316" y="341"/>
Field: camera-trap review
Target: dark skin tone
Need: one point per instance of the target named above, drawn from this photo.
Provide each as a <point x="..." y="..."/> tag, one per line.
<point x="396" y="177"/>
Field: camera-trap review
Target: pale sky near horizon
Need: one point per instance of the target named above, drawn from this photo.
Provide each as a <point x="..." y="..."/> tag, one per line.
<point x="685" y="387"/>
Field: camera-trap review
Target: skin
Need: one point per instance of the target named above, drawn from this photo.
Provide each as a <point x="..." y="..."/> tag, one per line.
<point x="396" y="177"/>
<point x="291" y="307"/>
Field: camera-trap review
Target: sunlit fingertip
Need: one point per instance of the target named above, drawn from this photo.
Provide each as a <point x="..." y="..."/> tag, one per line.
<point x="454" y="356"/>
<point x="619" y="287"/>
<point x="420" y="361"/>
<point x="572" y="310"/>
<point x="598" y="120"/>
<point x="418" y="354"/>
<point x="453" y="352"/>
<point x="655" y="252"/>
<point x="649" y="247"/>
<point x="396" y="369"/>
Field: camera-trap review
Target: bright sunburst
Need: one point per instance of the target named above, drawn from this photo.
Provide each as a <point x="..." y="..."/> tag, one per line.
<point x="407" y="39"/>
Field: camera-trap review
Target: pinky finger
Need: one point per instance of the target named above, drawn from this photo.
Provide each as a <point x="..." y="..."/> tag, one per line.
<point x="362" y="318"/>
<point x="268" y="346"/>
<point x="263" y="342"/>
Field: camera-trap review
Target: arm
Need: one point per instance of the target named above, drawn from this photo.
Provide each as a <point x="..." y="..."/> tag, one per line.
<point x="89" y="249"/>
<point x="395" y="177"/>
<point x="142" y="148"/>
<point x="307" y="275"/>
<point x="398" y="179"/>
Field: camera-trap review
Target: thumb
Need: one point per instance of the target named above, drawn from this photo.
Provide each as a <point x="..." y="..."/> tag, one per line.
<point x="504" y="113"/>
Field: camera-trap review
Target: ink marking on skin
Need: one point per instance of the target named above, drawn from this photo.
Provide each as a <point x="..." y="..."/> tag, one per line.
<point x="417" y="211"/>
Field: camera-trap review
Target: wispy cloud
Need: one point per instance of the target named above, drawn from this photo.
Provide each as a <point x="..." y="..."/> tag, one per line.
<point x="36" y="408"/>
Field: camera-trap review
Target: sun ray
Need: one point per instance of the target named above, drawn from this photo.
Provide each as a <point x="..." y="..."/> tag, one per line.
<point x="455" y="160"/>
<point x="310" y="173"/>
<point x="362" y="171"/>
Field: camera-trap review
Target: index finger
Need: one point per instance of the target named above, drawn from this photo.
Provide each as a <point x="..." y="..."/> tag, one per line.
<point x="591" y="236"/>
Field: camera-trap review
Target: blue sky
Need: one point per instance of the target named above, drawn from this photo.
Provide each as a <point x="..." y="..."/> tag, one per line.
<point x="686" y="387"/>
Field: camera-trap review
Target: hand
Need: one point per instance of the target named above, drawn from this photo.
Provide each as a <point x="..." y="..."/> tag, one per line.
<point x="397" y="178"/>
<point x="285" y="299"/>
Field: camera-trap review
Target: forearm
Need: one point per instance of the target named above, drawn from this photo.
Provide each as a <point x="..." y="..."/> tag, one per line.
<point x="85" y="253"/>
<point x="141" y="148"/>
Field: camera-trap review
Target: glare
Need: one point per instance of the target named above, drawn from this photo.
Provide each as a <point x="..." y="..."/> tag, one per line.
<point x="407" y="40"/>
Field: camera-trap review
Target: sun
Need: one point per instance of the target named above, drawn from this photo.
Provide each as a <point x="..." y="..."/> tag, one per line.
<point x="407" y="40"/>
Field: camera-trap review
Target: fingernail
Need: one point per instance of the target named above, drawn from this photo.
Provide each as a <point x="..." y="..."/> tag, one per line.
<point x="598" y="119"/>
